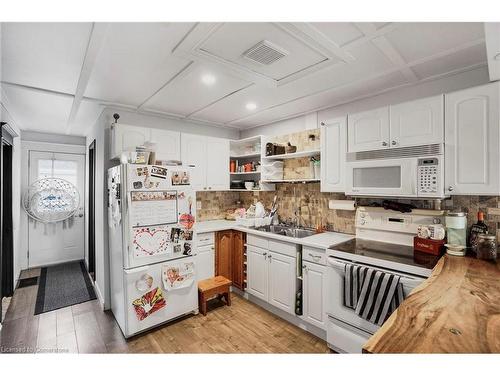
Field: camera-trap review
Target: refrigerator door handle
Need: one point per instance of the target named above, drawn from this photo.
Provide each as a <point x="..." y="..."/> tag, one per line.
<point x="136" y="270"/>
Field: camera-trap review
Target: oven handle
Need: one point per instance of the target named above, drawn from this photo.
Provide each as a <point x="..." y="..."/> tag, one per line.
<point x="404" y="278"/>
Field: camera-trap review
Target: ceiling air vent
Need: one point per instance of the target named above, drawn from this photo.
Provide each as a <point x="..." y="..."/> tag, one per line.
<point x="265" y="53"/>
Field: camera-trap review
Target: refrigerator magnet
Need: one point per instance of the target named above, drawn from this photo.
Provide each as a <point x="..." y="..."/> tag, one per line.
<point x="144" y="283"/>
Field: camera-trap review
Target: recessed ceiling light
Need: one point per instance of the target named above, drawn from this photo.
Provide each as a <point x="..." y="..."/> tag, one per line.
<point x="251" y="106"/>
<point x="208" y="79"/>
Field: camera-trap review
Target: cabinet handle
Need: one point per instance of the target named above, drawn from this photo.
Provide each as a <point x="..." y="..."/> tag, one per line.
<point x="450" y="188"/>
<point x="205" y="188"/>
<point x="394" y="143"/>
<point x="384" y="143"/>
<point x="322" y="123"/>
<point x="304" y="266"/>
<point x="315" y="256"/>
<point x="264" y="254"/>
<point x="269" y="256"/>
<point x="209" y="187"/>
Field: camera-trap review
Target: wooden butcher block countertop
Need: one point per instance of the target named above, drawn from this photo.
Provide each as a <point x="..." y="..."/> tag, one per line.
<point x="456" y="310"/>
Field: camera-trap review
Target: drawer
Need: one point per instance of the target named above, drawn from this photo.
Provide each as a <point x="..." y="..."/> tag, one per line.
<point x="258" y="241"/>
<point x="310" y="254"/>
<point x="206" y="239"/>
<point x="285" y="248"/>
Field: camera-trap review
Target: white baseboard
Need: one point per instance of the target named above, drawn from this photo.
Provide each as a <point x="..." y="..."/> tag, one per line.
<point x="99" y="295"/>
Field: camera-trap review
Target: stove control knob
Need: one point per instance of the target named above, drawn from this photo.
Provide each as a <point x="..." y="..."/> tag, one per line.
<point x="362" y="214"/>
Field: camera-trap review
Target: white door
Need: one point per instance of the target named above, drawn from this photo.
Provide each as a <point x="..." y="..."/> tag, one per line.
<point x="217" y="163"/>
<point x="368" y="130"/>
<point x="193" y="152"/>
<point x="282" y="281"/>
<point x="472" y="150"/>
<point x="419" y="122"/>
<point x="257" y="272"/>
<point x="333" y="150"/>
<point x="168" y="144"/>
<point x="314" y="294"/>
<point x="205" y="260"/>
<point x="127" y="138"/>
<point x="62" y="241"/>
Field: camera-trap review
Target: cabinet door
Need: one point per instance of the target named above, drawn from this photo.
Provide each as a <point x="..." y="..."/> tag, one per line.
<point x="333" y="150"/>
<point x="314" y="294"/>
<point x="205" y="262"/>
<point x="238" y="260"/>
<point x="223" y="253"/>
<point x="217" y="163"/>
<point x="472" y="141"/>
<point x="418" y="122"/>
<point x="257" y="272"/>
<point x="127" y="138"/>
<point x="193" y="152"/>
<point x="282" y="281"/>
<point x="368" y="130"/>
<point x="168" y="144"/>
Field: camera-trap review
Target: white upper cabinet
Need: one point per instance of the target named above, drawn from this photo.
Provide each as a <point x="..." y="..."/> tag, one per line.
<point x="333" y="149"/>
<point x="217" y="163"/>
<point x="210" y="156"/>
<point x="127" y="137"/>
<point x="193" y="152"/>
<point x="168" y="144"/>
<point x="472" y="141"/>
<point x="418" y="122"/>
<point x="368" y="130"/>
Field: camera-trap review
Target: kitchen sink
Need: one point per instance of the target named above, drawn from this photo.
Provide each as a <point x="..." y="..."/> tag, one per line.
<point x="287" y="231"/>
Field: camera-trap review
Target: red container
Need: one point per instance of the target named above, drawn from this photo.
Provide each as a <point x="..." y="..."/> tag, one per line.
<point x="426" y="245"/>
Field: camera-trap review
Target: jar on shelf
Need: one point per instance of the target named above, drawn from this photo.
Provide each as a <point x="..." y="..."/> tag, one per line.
<point x="486" y="247"/>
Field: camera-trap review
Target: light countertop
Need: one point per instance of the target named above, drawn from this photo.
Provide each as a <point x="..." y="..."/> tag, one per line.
<point x="320" y="241"/>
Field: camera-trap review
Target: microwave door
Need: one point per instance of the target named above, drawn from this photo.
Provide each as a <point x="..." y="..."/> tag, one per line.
<point x="396" y="177"/>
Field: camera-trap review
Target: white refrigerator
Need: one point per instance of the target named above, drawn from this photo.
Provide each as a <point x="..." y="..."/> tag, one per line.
<point x="152" y="244"/>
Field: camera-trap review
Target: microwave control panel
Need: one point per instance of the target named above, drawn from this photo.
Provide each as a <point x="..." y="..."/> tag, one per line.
<point x="428" y="175"/>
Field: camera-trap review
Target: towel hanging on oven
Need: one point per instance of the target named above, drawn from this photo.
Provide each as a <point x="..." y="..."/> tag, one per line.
<point x="373" y="294"/>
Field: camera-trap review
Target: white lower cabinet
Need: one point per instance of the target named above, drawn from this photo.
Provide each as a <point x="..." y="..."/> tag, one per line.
<point x="271" y="276"/>
<point x="205" y="262"/>
<point x="257" y="272"/>
<point x="314" y="294"/>
<point x="282" y="281"/>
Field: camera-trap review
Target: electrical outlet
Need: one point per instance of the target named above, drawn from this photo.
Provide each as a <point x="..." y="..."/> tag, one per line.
<point x="198" y="205"/>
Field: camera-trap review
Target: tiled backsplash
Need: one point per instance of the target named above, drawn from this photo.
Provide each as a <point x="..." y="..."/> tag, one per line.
<point x="313" y="206"/>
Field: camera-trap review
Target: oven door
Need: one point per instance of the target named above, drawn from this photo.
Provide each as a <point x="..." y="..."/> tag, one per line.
<point x="384" y="177"/>
<point x="335" y="301"/>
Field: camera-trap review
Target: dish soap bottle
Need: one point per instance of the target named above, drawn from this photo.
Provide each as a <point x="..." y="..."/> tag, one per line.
<point x="476" y="229"/>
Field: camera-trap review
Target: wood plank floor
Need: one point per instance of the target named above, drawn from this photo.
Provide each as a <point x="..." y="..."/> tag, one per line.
<point x="241" y="328"/>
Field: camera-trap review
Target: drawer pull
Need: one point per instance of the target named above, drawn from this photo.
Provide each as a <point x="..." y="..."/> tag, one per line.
<point x="318" y="257"/>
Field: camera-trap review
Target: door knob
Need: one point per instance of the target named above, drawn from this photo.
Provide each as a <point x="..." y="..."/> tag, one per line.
<point x="394" y="143"/>
<point x="384" y="143"/>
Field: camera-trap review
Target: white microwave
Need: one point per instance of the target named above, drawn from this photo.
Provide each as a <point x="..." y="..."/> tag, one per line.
<point x="406" y="177"/>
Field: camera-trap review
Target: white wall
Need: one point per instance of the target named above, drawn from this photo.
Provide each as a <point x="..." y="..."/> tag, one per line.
<point x="451" y="83"/>
<point x="101" y="133"/>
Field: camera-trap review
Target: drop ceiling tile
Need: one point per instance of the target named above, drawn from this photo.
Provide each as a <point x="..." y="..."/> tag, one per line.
<point x="340" y="33"/>
<point x="189" y="93"/>
<point x="38" y="110"/>
<point x="135" y="61"/>
<point x="324" y="99"/>
<point x="231" y="40"/>
<point x="458" y="60"/>
<point x="44" y="55"/>
<point x="418" y="40"/>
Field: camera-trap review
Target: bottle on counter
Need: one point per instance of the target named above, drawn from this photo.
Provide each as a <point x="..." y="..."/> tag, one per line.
<point x="476" y="229"/>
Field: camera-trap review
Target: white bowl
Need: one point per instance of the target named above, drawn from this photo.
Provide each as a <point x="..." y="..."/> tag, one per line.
<point x="249" y="185"/>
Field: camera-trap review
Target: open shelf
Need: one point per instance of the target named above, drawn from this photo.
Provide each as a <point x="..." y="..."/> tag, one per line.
<point x="243" y="173"/>
<point x="294" y="155"/>
<point x="246" y="156"/>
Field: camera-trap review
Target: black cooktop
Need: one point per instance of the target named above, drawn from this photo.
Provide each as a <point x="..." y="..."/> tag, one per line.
<point x="387" y="252"/>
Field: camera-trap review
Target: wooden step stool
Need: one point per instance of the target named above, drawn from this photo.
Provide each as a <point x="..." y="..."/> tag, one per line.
<point x="209" y="288"/>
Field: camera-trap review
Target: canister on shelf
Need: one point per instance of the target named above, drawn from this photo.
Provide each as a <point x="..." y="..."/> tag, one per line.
<point x="456" y="228"/>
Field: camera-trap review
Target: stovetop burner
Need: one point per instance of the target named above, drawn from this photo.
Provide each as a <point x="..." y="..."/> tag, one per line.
<point x="387" y="252"/>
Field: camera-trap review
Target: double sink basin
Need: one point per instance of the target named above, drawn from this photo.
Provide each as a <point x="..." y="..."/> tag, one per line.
<point x="287" y="231"/>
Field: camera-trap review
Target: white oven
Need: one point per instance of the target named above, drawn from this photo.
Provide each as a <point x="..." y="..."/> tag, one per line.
<point x="406" y="172"/>
<point x="347" y="331"/>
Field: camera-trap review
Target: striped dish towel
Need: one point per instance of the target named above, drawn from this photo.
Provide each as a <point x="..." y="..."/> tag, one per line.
<point x="373" y="294"/>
